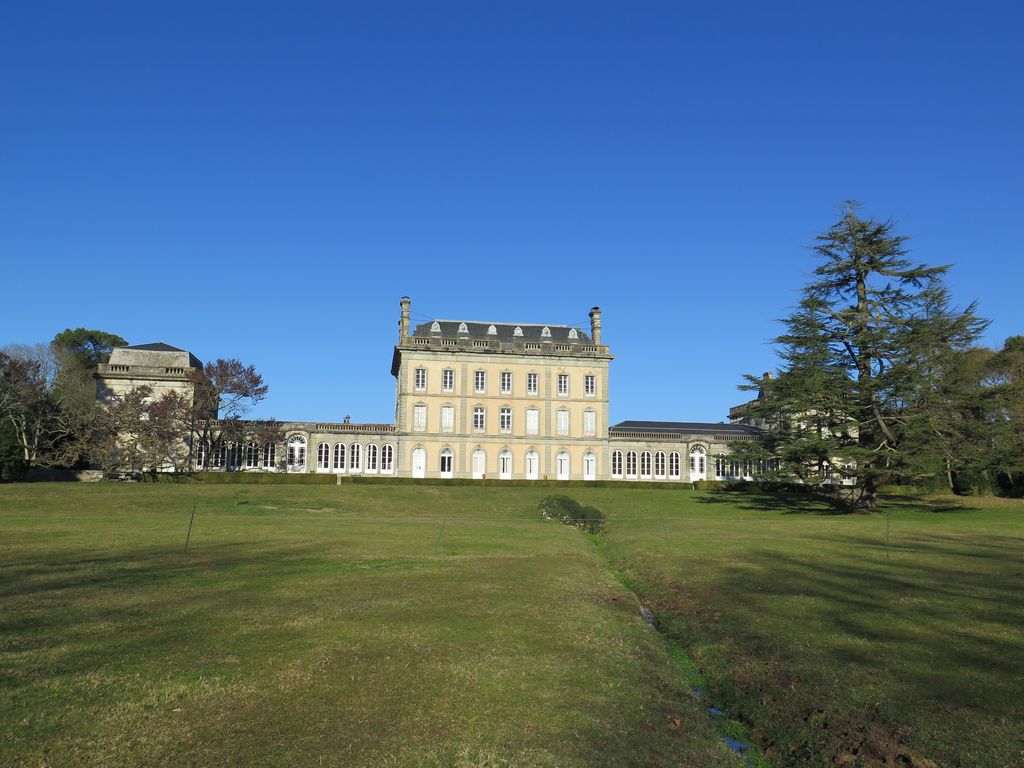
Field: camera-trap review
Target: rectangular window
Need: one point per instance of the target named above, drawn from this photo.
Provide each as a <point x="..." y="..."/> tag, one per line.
<point x="589" y="422"/>
<point x="589" y="385"/>
<point x="532" y="421"/>
<point x="506" y="383"/>
<point x="420" y="379"/>
<point x="531" y="383"/>
<point x="563" y="384"/>
<point x="562" y="423"/>
<point x="480" y="382"/>
<point x="479" y="421"/>
<point x="448" y="380"/>
<point x="505" y="419"/>
<point x="419" y="418"/>
<point x="447" y="418"/>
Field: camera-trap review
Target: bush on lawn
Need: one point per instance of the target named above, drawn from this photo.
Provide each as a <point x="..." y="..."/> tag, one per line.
<point x="571" y="512"/>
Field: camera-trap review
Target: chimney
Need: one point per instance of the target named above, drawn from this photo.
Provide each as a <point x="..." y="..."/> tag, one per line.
<point x="403" y="324"/>
<point x="595" y="324"/>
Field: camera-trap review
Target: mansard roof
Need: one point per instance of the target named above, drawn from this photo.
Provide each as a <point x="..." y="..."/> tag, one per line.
<point x="474" y="329"/>
<point x="128" y="356"/>
<point x="683" y="427"/>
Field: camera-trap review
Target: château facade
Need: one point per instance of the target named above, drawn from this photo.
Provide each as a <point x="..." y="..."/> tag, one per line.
<point x="507" y="401"/>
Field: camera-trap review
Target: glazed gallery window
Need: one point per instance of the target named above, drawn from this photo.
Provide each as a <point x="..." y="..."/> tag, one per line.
<point x="563" y="384"/>
<point x="252" y="455"/>
<point x="673" y="465"/>
<point x="659" y="464"/>
<point x="354" y="464"/>
<point x="387" y="458"/>
<point x="532" y="421"/>
<point x="371" y="458"/>
<point x="505" y="419"/>
<point x="420" y="379"/>
<point x="562" y="422"/>
<point x="447" y="418"/>
<point x="479" y="420"/>
<point x="645" y="464"/>
<point x="589" y="385"/>
<point x="631" y="464"/>
<point x="616" y="463"/>
<point x="506" y="383"/>
<point x="339" y="457"/>
<point x="480" y="381"/>
<point x="419" y="417"/>
<point x="269" y="455"/>
<point x="531" y="383"/>
<point x="323" y="456"/>
<point x="448" y="380"/>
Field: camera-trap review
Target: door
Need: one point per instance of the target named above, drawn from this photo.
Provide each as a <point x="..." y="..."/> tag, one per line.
<point x="698" y="463"/>
<point x="562" y="466"/>
<point x="479" y="464"/>
<point x="532" y="465"/>
<point x="505" y="465"/>
<point x="419" y="462"/>
<point x="589" y="466"/>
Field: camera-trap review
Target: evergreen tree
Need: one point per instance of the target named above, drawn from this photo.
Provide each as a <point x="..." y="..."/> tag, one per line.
<point x="863" y="356"/>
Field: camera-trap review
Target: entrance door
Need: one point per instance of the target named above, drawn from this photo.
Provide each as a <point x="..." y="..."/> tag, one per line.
<point x="419" y="462"/>
<point x="562" y="466"/>
<point x="589" y="466"/>
<point x="532" y="465"/>
<point x="479" y="464"/>
<point x="698" y="463"/>
<point x="505" y="465"/>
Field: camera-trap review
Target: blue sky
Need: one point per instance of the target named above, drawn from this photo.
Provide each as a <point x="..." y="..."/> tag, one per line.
<point x="266" y="181"/>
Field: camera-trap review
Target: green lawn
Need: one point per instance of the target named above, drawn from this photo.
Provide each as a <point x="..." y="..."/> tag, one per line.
<point x="397" y="625"/>
<point x="324" y="626"/>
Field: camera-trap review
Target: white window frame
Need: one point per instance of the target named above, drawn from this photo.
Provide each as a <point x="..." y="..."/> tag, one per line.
<point x="355" y="458"/>
<point x="478" y="463"/>
<point x="659" y="465"/>
<point x="532" y="465"/>
<point x="505" y="420"/>
<point x="506" y="382"/>
<point x="447" y="418"/>
<point x="563" y="385"/>
<point x="269" y="455"/>
<point x="339" y="457"/>
<point x="589" y="466"/>
<point x="616" y="463"/>
<point x="371" y="458"/>
<point x="446" y="461"/>
<point x="387" y="459"/>
<point x="532" y="421"/>
<point x="589" y="385"/>
<point x="673" y="465"/>
<point x="480" y="382"/>
<point x="419" y="418"/>
<point x="479" y="418"/>
<point x="532" y="383"/>
<point x="645" y="465"/>
<point x="323" y="457"/>
<point x="420" y="380"/>
<point x="631" y="465"/>
<point x="505" y="464"/>
<point x="562" y="421"/>
<point x="448" y="380"/>
<point x="589" y="422"/>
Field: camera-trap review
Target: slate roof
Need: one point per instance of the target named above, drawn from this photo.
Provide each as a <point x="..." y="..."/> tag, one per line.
<point x="684" y="427"/>
<point x="505" y="331"/>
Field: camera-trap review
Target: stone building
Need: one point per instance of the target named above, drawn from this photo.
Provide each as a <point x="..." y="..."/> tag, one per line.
<point x="476" y="400"/>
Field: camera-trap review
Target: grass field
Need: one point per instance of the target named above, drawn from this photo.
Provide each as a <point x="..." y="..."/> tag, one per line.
<point x="436" y="626"/>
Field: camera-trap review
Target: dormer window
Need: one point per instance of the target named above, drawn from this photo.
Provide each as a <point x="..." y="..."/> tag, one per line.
<point x="518" y="331"/>
<point x="463" y="328"/>
<point x="435" y="327"/>
<point x="573" y="334"/>
<point x="546" y="333"/>
<point x="492" y="331"/>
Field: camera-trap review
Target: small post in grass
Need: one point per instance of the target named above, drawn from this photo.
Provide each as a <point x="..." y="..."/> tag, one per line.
<point x="189" y="534"/>
<point x="441" y="532"/>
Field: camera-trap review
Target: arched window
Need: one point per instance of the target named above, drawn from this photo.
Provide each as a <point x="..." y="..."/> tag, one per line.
<point x="371" y="458"/>
<point x="562" y="466"/>
<point x="200" y="455"/>
<point x="589" y="466"/>
<point x="645" y="464"/>
<point x="631" y="464"/>
<point x="479" y="463"/>
<point x="445" y="465"/>
<point x="545" y="332"/>
<point x="355" y="458"/>
<point x="296" y="453"/>
<point x="234" y="460"/>
<point x="505" y="465"/>
<point x="659" y="464"/>
<point x="387" y="459"/>
<point x="573" y="334"/>
<point x="492" y="331"/>
<point x="218" y="454"/>
<point x="270" y="455"/>
<point x="673" y="465"/>
<point x="518" y="331"/>
<point x="616" y="463"/>
<point x="463" y="328"/>
<point x="532" y="465"/>
<point x="339" y="457"/>
<point x="252" y="455"/>
<point x="323" y="456"/>
<point x="435" y="327"/>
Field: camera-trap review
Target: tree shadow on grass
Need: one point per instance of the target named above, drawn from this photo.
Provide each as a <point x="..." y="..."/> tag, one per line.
<point x="810" y="503"/>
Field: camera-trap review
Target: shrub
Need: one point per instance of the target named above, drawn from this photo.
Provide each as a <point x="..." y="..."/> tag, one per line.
<point x="570" y="512"/>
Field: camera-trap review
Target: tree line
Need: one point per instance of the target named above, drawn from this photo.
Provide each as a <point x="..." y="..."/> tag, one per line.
<point x="882" y="380"/>
<point x="49" y="417"/>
